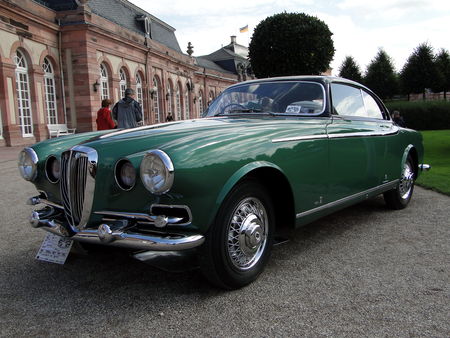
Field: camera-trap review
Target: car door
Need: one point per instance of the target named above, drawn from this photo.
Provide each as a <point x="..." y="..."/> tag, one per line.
<point x="356" y="143"/>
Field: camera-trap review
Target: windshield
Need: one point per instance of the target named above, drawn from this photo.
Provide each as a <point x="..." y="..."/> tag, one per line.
<point x="289" y="97"/>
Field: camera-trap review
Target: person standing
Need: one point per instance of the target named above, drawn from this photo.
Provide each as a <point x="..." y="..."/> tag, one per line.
<point x="169" y="117"/>
<point x="104" y="119"/>
<point x="127" y="112"/>
<point x="398" y="119"/>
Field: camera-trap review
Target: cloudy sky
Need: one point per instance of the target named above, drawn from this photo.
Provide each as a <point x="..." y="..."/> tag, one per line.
<point x="359" y="27"/>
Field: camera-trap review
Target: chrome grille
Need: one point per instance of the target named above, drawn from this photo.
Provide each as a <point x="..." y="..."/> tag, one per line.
<point x="78" y="167"/>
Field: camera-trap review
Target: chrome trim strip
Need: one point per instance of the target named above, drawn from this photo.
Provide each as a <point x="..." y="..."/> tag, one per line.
<point x="130" y="215"/>
<point x="380" y="188"/>
<point x="148" y="218"/>
<point x="52" y="204"/>
<point x="393" y="130"/>
<point x="300" y="138"/>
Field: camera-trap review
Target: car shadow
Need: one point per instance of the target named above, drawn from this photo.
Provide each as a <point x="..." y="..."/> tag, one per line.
<point x="114" y="277"/>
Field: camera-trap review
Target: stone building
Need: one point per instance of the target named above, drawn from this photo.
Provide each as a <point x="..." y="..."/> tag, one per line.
<point x="60" y="58"/>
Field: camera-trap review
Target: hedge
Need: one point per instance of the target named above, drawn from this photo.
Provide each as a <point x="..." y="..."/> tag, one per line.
<point x="423" y="115"/>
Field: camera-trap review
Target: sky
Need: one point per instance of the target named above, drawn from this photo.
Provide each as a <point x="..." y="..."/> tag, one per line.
<point x="359" y="27"/>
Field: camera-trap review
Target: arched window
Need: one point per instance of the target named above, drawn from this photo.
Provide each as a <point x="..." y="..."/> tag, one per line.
<point x="156" y="100"/>
<point x="211" y="97"/>
<point x="187" y="104"/>
<point x="23" y="95"/>
<point x="178" y="102"/>
<point x="169" y="98"/>
<point x="50" y="90"/>
<point x="104" y="80"/>
<point x="201" y="106"/>
<point x="122" y="82"/>
<point x="139" y="94"/>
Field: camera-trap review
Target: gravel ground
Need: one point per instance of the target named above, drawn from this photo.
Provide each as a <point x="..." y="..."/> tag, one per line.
<point x="365" y="271"/>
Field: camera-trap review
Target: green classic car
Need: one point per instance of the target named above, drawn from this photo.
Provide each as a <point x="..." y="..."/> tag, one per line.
<point x="267" y="156"/>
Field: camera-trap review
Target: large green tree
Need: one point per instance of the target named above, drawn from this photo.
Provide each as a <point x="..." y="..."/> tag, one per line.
<point x="420" y="71"/>
<point x="290" y="44"/>
<point x="443" y="68"/>
<point x="350" y="69"/>
<point x="381" y="76"/>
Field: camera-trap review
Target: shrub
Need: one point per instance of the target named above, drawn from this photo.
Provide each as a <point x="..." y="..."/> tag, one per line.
<point x="423" y="115"/>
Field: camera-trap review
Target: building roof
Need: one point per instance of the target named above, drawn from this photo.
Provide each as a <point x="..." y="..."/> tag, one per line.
<point x="225" y="59"/>
<point x="205" y="63"/>
<point x="123" y="13"/>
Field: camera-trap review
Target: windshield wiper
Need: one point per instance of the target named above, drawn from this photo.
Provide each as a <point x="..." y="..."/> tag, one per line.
<point x="234" y="111"/>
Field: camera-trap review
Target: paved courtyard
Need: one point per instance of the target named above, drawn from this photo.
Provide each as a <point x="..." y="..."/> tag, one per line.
<point x="365" y="271"/>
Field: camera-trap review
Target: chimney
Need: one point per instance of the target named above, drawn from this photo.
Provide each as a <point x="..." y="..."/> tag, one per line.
<point x="233" y="39"/>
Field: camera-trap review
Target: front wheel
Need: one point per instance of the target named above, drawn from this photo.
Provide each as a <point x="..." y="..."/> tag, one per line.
<point x="239" y="243"/>
<point x="399" y="197"/>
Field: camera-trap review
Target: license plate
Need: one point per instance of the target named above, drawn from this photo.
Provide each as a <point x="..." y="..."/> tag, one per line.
<point x="54" y="249"/>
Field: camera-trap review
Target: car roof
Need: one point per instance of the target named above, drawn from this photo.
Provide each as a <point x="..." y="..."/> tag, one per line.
<point x="323" y="79"/>
<point x="316" y="78"/>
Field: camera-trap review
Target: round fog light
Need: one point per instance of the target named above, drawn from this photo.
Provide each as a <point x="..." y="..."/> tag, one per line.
<point x="125" y="175"/>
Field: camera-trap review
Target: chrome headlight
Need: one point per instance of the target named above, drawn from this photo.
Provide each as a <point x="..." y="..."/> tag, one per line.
<point x="52" y="169"/>
<point x="125" y="174"/>
<point x="157" y="172"/>
<point x="28" y="164"/>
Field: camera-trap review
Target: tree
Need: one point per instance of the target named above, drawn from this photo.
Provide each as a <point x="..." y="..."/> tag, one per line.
<point x="381" y="76"/>
<point x="419" y="71"/>
<point x="443" y="68"/>
<point x="290" y="44"/>
<point x="350" y="70"/>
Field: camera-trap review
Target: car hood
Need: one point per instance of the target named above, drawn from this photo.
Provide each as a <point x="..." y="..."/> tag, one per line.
<point x="191" y="136"/>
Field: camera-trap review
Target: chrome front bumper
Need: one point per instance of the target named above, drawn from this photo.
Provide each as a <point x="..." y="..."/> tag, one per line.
<point x="115" y="234"/>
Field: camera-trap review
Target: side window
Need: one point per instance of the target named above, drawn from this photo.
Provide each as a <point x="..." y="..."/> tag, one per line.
<point x="347" y="100"/>
<point x="372" y="108"/>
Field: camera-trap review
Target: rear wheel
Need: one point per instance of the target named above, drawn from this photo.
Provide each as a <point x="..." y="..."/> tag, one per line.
<point x="239" y="243"/>
<point x="399" y="197"/>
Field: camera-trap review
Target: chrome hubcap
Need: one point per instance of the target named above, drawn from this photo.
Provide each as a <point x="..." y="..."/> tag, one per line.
<point x="406" y="181"/>
<point x="247" y="233"/>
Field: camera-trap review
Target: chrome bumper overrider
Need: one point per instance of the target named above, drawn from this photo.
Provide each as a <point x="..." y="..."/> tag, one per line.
<point x="115" y="234"/>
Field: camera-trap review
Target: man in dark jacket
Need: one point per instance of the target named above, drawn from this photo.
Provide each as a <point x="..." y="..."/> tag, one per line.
<point x="127" y="112"/>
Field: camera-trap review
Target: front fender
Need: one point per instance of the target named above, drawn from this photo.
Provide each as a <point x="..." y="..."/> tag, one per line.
<point x="405" y="157"/>
<point x="236" y="177"/>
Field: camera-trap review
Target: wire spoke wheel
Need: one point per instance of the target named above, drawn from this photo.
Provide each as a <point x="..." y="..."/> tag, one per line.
<point x="247" y="233"/>
<point x="239" y="242"/>
<point x="399" y="197"/>
<point x="406" y="181"/>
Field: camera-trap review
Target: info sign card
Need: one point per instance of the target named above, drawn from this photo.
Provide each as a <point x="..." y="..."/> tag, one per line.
<point x="54" y="249"/>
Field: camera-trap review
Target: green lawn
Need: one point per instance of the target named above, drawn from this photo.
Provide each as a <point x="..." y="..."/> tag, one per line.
<point x="437" y="154"/>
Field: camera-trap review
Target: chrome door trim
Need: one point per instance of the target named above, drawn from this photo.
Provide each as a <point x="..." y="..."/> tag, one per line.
<point x="379" y="189"/>
<point x="391" y="131"/>
<point x="300" y="138"/>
